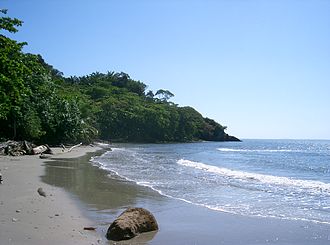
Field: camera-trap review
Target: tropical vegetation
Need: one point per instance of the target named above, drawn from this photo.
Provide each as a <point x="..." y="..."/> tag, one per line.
<point x="39" y="104"/>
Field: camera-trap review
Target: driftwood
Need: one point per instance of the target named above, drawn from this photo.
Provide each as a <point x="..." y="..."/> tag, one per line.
<point x="17" y="148"/>
<point x="66" y="149"/>
<point x="89" y="228"/>
<point x="42" y="149"/>
<point x="39" y="149"/>
<point x="63" y="147"/>
<point x="74" y="147"/>
<point x="28" y="147"/>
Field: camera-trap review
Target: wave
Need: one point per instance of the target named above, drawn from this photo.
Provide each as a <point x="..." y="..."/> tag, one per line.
<point x="257" y="150"/>
<point x="240" y="177"/>
<point x="311" y="185"/>
<point x="224" y="209"/>
<point x="103" y="145"/>
<point x="151" y="186"/>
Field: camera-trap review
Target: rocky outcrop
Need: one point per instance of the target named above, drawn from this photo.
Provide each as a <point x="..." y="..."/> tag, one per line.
<point x="231" y="138"/>
<point x="130" y="223"/>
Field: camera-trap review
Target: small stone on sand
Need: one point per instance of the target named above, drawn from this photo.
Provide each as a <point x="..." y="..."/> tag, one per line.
<point x="41" y="192"/>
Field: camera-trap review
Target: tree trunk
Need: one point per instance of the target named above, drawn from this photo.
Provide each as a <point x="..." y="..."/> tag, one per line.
<point x="14" y="128"/>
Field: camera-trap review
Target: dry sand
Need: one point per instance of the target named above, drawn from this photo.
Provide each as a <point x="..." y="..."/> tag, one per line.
<point x="28" y="218"/>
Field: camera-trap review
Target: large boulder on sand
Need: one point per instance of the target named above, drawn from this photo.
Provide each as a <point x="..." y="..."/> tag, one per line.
<point x="130" y="223"/>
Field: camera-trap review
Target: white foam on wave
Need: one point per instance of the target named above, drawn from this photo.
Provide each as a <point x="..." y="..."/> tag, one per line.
<point x="281" y="217"/>
<point x="256" y="150"/>
<point x="104" y="166"/>
<point x="226" y="172"/>
<point x="117" y="149"/>
<point x="103" y="145"/>
<point x="226" y="209"/>
<point x="151" y="186"/>
<point x="311" y="185"/>
<point x="96" y="162"/>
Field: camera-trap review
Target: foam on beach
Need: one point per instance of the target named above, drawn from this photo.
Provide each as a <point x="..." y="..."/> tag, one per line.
<point x="198" y="174"/>
<point x="315" y="186"/>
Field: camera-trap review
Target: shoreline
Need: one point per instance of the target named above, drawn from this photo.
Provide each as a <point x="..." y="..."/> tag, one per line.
<point x="80" y="194"/>
<point x="108" y="195"/>
<point x="27" y="217"/>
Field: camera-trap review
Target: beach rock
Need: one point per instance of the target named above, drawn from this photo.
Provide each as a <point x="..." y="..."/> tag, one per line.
<point x="41" y="192"/>
<point x="42" y="156"/>
<point x="130" y="223"/>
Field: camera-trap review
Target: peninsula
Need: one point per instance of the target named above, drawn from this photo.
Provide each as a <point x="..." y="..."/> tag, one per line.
<point x="39" y="104"/>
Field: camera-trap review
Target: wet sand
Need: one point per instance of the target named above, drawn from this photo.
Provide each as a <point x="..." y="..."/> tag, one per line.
<point x="102" y="196"/>
<point x="28" y="218"/>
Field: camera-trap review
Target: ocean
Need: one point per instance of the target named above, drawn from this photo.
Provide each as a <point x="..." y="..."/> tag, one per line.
<point x="283" y="179"/>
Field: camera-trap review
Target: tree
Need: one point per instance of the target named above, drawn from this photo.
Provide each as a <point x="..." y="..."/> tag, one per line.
<point x="32" y="104"/>
<point x="37" y="103"/>
<point x="12" y="73"/>
<point x="164" y="95"/>
<point x="9" y="24"/>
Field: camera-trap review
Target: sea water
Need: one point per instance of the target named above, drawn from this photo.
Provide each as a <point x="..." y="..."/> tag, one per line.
<point x="286" y="179"/>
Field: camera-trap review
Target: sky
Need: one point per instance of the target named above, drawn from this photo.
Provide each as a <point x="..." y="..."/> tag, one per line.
<point x="261" y="68"/>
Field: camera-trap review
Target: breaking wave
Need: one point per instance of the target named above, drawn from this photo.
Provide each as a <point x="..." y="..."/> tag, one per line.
<point x="315" y="186"/>
<point x="256" y="150"/>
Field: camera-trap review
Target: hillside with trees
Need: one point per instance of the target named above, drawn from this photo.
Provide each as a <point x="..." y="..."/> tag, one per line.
<point x="39" y="104"/>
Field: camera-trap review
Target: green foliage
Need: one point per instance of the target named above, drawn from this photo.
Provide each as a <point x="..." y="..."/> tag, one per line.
<point x="13" y="71"/>
<point x="32" y="104"/>
<point x="12" y="75"/>
<point x="9" y="24"/>
<point x="37" y="103"/>
<point x="164" y="95"/>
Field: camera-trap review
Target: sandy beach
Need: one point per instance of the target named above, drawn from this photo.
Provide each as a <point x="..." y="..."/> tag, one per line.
<point x="27" y="217"/>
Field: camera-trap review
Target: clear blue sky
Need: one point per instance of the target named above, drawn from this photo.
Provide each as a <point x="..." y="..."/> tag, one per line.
<point x="262" y="68"/>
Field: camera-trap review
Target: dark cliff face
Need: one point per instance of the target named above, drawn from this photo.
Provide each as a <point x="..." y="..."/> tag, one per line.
<point x="231" y="138"/>
<point x="220" y="137"/>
